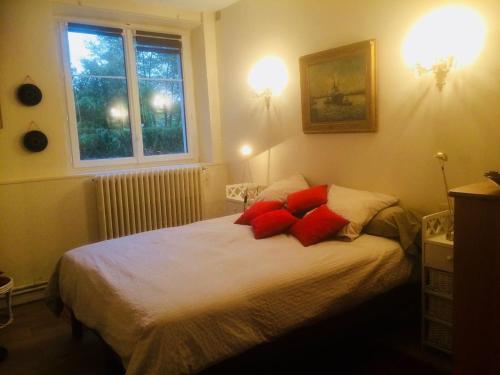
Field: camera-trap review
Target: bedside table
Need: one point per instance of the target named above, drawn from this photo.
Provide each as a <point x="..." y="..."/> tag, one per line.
<point x="233" y="206"/>
<point x="437" y="282"/>
<point x="235" y="196"/>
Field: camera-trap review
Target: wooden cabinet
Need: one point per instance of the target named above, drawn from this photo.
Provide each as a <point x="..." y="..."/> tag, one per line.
<point x="476" y="336"/>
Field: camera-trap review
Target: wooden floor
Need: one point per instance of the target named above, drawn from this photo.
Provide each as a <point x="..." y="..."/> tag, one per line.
<point x="39" y="343"/>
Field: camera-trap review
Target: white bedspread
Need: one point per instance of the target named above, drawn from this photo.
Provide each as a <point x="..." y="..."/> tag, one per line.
<point x="179" y="299"/>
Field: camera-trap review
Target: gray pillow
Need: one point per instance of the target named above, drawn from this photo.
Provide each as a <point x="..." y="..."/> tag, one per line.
<point x="395" y="222"/>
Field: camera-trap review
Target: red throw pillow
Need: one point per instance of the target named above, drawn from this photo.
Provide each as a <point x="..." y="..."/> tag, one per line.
<point x="272" y="223"/>
<point x="305" y="200"/>
<point x="257" y="209"/>
<point x="319" y="225"/>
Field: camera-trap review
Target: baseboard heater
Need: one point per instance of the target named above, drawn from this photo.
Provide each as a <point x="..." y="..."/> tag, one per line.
<point x="28" y="293"/>
<point x="138" y="201"/>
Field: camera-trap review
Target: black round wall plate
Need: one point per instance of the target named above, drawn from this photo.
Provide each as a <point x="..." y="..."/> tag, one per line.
<point x="29" y="94"/>
<point x="35" y="141"/>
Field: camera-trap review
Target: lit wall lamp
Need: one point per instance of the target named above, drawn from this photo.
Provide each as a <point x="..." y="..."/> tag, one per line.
<point x="246" y="150"/>
<point x="449" y="37"/>
<point x="268" y="77"/>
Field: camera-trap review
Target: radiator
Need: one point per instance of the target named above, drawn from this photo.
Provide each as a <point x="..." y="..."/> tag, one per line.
<point x="133" y="202"/>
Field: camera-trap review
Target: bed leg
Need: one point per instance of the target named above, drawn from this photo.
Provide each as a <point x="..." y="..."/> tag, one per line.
<point x="76" y="327"/>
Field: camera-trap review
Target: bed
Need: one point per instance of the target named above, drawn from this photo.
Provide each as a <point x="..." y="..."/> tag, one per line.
<point x="178" y="300"/>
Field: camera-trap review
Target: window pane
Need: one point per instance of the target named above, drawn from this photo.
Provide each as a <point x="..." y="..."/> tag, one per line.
<point x="101" y="96"/>
<point x="161" y="97"/>
<point x="157" y="58"/>
<point x="162" y="117"/>
<point x="102" y="117"/>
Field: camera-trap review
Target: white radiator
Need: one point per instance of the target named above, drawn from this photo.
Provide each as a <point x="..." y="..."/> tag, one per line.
<point x="133" y="202"/>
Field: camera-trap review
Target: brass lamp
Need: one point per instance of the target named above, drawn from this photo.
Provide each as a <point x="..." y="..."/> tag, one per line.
<point x="446" y="38"/>
<point x="443" y="158"/>
<point x="440" y="70"/>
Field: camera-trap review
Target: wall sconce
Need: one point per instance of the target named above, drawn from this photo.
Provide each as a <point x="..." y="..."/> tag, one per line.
<point x="449" y="37"/>
<point x="268" y="77"/>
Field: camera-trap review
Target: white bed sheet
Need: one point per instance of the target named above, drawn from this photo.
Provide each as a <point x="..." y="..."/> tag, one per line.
<point x="177" y="300"/>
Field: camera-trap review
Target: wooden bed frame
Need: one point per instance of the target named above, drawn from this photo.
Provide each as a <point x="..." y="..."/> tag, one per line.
<point x="397" y="308"/>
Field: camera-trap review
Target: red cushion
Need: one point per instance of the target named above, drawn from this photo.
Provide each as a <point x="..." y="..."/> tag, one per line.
<point x="318" y="226"/>
<point x="305" y="200"/>
<point x="257" y="209"/>
<point x="272" y="223"/>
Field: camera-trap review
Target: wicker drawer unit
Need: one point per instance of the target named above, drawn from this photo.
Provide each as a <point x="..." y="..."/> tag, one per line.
<point x="437" y="283"/>
<point x="438" y="257"/>
<point x="439" y="336"/>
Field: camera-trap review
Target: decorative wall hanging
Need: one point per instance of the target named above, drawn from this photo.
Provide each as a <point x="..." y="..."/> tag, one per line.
<point x="29" y="94"/>
<point x="338" y="89"/>
<point x="35" y="140"/>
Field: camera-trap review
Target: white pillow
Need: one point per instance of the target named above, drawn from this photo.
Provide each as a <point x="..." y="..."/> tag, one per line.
<point x="357" y="206"/>
<point x="279" y="190"/>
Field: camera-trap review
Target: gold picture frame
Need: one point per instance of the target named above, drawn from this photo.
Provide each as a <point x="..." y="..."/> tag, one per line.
<point x="338" y="89"/>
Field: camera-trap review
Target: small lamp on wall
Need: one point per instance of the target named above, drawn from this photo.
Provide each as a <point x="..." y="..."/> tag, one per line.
<point x="449" y="37"/>
<point x="246" y="151"/>
<point x="268" y="78"/>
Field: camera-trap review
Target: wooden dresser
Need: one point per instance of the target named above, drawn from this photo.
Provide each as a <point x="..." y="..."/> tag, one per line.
<point x="476" y="335"/>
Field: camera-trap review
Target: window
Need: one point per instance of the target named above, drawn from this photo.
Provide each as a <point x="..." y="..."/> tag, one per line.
<point x="126" y="95"/>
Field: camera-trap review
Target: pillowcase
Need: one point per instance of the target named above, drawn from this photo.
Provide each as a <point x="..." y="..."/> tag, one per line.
<point x="318" y="226"/>
<point x="305" y="200"/>
<point x="257" y="209"/>
<point x="272" y="223"/>
<point x="395" y="222"/>
<point x="357" y="206"/>
<point x="279" y="190"/>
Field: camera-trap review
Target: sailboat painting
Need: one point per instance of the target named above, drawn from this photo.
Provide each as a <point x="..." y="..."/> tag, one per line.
<point x="338" y="89"/>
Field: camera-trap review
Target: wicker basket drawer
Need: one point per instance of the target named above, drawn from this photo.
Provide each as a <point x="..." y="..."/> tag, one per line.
<point x="440" y="308"/>
<point x="439" y="335"/>
<point x="439" y="257"/>
<point x="439" y="281"/>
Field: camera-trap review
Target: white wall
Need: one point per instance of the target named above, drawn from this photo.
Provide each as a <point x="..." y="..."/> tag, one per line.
<point x="45" y="207"/>
<point x="415" y="119"/>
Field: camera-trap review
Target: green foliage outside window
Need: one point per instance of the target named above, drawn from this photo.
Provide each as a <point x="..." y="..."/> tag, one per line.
<point x="101" y="100"/>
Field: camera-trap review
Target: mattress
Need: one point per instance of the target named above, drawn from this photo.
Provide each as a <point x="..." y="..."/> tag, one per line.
<point x="178" y="300"/>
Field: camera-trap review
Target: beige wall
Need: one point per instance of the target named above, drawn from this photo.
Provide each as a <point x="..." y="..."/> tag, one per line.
<point x="415" y="120"/>
<point x="44" y="208"/>
<point x="40" y="220"/>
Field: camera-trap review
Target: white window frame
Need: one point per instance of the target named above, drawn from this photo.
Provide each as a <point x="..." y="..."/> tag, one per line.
<point x="139" y="159"/>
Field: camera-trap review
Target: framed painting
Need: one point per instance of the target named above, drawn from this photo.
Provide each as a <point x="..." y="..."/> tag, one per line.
<point x="338" y="89"/>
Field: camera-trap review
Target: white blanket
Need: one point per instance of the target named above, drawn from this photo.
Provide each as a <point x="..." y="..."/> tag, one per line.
<point x="177" y="300"/>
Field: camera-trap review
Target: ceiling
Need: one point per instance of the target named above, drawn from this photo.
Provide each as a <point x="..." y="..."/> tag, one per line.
<point x="196" y="5"/>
